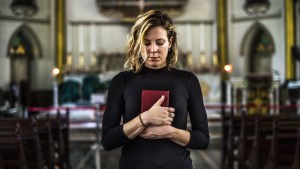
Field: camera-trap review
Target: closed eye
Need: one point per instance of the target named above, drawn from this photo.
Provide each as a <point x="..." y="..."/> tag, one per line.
<point x="158" y="42"/>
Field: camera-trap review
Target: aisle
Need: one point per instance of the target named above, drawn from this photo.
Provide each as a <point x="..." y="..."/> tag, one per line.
<point x="82" y="149"/>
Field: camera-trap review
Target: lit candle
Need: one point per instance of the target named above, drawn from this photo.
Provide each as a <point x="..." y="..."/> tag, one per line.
<point x="81" y="61"/>
<point x="215" y="59"/>
<point x="69" y="59"/>
<point x="55" y="72"/>
<point x="202" y="58"/>
<point x="93" y="59"/>
<point x="189" y="60"/>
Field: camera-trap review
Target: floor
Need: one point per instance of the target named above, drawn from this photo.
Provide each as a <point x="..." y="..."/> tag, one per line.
<point x="84" y="152"/>
<point x="83" y="156"/>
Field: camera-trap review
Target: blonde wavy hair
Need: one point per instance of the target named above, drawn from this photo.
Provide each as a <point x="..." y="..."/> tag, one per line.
<point x="135" y="42"/>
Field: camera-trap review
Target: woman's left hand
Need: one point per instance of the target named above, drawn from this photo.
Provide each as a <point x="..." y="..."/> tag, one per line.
<point x="157" y="132"/>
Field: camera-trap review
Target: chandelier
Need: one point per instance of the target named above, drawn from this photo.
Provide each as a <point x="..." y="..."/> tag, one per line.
<point x="24" y="8"/>
<point x="256" y="7"/>
<point x="127" y="10"/>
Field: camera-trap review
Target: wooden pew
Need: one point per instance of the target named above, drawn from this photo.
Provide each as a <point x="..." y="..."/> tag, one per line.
<point x="260" y="148"/>
<point x="264" y="142"/>
<point x="46" y="137"/>
<point x="59" y="124"/>
<point x="31" y="143"/>
<point x="284" y="142"/>
<point x="61" y="135"/>
<point x="225" y="130"/>
<point x="296" y="164"/>
<point x="12" y="151"/>
<point x="233" y="125"/>
<point x="1" y="162"/>
<point x="246" y="140"/>
<point x="46" y="140"/>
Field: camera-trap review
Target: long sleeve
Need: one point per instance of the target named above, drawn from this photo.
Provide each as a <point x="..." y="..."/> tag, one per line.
<point x="199" y="134"/>
<point x="113" y="135"/>
<point x="124" y="102"/>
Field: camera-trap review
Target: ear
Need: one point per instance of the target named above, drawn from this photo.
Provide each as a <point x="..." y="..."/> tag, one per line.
<point x="170" y="42"/>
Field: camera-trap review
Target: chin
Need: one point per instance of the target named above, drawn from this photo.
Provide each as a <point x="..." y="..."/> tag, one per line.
<point x="155" y="66"/>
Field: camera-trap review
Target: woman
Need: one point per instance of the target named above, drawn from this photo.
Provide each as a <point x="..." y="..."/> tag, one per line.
<point x="156" y="138"/>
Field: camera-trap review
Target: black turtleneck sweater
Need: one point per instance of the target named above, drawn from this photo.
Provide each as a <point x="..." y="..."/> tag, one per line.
<point x="124" y="100"/>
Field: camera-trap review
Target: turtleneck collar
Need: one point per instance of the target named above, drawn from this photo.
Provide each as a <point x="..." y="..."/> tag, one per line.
<point x="154" y="71"/>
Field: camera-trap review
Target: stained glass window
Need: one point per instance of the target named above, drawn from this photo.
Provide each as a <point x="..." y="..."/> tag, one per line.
<point x="263" y="44"/>
<point x="19" y="46"/>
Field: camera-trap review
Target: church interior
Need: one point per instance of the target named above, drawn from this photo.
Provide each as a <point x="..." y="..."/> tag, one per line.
<point x="58" y="57"/>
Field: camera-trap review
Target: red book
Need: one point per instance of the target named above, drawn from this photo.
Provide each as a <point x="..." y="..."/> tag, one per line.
<point x="150" y="97"/>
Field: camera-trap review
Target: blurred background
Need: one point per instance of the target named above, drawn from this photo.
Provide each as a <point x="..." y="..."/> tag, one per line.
<point x="58" y="56"/>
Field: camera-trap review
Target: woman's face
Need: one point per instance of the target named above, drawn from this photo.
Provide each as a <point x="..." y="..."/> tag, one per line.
<point x="157" y="46"/>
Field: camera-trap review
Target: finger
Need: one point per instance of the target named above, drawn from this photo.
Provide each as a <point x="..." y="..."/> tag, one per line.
<point x="169" y="109"/>
<point x="169" y="121"/>
<point x="144" y="136"/>
<point x="160" y="100"/>
<point x="171" y="114"/>
<point x="165" y="114"/>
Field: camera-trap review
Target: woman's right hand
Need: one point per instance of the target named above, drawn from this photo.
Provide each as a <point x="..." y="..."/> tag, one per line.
<point x="158" y="115"/>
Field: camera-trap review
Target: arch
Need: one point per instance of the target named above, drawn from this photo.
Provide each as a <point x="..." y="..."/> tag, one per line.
<point x="248" y="42"/>
<point x="29" y="36"/>
<point x="249" y="37"/>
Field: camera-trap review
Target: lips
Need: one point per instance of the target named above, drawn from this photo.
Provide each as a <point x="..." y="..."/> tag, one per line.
<point x="153" y="59"/>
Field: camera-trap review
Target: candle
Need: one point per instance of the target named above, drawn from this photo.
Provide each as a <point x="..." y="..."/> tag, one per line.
<point x="55" y="72"/>
<point x="188" y="37"/>
<point x="69" y="38"/>
<point x="202" y="58"/>
<point x="93" y="37"/>
<point x="202" y="37"/>
<point x="93" y="59"/>
<point x="69" y="59"/>
<point x="214" y="40"/>
<point x="215" y="59"/>
<point x="81" y="61"/>
<point x="80" y="39"/>
<point x="189" y="60"/>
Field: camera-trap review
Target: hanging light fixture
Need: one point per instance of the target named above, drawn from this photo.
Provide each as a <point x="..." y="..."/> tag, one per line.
<point x="24" y="8"/>
<point x="256" y="7"/>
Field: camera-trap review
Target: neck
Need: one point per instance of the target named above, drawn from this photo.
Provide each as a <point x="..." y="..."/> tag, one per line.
<point x="150" y="70"/>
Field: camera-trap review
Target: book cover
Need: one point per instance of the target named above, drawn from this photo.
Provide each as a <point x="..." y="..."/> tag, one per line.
<point x="150" y="97"/>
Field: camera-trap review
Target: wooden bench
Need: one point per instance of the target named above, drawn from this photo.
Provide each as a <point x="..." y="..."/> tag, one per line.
<point x="231" y="136"/>
<point x="296" y="164"/>
<point x="59" y="124"/>
<point x="284" y="142"/>
<point x="258" y="146"/>
<point x="46" y="140"/>
<point x="247" y="135"/>
<point x="35" y="138"/>
<point x="261" y="142"/>
<point x="11" y="146"/>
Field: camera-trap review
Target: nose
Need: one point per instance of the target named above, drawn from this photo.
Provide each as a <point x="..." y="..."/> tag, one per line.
<point x="153" y="48"/>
